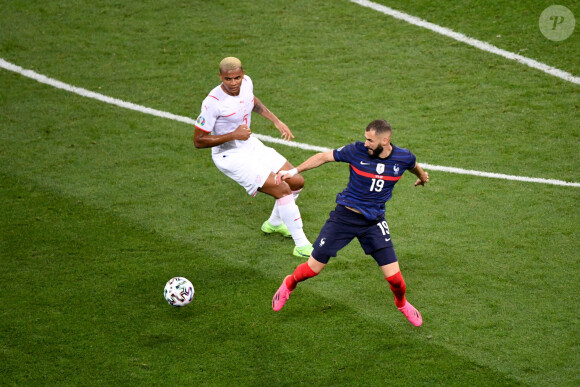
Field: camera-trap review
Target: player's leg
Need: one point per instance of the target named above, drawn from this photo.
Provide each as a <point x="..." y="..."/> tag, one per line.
<point x="252" y="169"/>
<point x="377" y="242"/>
<point x="275" y="224"/>
<point x="396" y="282"/>
<point x="305" y="270"/>
<point x="387" y="261"/>
<point x="289" y="213"/>
<point x="333" y="237"/>
<point x="398" y="287"/>
<point x="302" y="272"/>
<point x="285" y="217"/>
<point x="296" y="183"/>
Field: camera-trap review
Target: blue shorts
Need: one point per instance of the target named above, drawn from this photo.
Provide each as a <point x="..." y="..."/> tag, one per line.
<point x="343" y="226"/>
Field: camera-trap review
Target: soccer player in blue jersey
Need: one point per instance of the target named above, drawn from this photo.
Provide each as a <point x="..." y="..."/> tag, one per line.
<point x="375" y="167"/>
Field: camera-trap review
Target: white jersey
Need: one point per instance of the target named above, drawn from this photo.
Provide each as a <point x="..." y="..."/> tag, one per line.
<point x="222" y="113"/>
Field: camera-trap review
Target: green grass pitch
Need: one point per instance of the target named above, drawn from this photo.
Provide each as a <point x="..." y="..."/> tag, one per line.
<point x="100" y="206"/>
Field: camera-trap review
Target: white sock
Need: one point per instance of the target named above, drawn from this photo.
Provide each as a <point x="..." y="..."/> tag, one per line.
<point x="275" y="219"/>
<point x="296" y="194"/>
<point x="290" y="214"/>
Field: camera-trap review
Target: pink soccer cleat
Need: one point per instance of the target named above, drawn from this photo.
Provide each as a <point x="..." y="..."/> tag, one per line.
<point x="281" y="296"/>
<point x="412" y="314"/>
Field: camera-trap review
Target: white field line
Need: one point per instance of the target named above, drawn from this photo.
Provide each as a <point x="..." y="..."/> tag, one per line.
<point x="158" y="113"/>
<point x="91" y="94"/>
<point x="465" y="39"/>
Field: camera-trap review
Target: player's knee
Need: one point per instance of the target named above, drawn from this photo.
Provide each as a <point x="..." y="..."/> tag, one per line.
<point x="283" y="189"/>
<point x="296" y="183"/>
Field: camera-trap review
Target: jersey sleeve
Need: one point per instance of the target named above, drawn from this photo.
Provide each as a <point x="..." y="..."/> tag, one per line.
<point x="344" y="153"/>
<point x="410" y="160"/>
<point x="208" y="116"/>
<point x="248" y="83"/>
<point x="248" y="80"/>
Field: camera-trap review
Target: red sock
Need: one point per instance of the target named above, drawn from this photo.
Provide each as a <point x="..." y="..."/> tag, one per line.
<point x="397" y="284"/>
<point x="302" y="272"/>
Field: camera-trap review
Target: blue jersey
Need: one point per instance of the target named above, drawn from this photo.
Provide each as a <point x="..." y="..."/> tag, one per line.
<point x="371" y="180"/>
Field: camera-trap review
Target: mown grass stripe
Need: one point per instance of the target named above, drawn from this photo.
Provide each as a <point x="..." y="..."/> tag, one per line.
<point x="484" y="46"/>
<point x="158" y="113"/>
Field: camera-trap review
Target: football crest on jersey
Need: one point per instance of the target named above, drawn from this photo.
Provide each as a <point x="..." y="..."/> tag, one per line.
<point x="380" y="168"/>
<point x="396" y="169"/>
<point x="200" y="121"/>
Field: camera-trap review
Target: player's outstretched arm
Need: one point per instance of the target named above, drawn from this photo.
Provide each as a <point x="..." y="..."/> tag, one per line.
<point x="423" y="177"/>
<point x="262" y="110"/>
<point x="315" y="161"/>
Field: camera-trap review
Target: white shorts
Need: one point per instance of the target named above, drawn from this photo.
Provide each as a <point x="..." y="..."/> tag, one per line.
<point x="251" y="166"/>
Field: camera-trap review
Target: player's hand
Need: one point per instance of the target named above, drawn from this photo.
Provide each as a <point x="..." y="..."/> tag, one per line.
<point x="284" y="130"/>
<point x="284" y="175"/>
<point x="242" y="132"/>
<point x="422" y="180"/>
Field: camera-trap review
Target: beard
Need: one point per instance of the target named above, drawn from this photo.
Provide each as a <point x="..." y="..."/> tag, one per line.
<point x="374" y="153"/>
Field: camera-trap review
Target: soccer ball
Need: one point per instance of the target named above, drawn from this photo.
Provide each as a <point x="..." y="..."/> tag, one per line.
<point x="178" y="291"/>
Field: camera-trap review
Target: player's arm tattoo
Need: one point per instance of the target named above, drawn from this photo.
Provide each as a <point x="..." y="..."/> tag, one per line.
<point x="259" y="106"/>
<point x="261" y="109"/>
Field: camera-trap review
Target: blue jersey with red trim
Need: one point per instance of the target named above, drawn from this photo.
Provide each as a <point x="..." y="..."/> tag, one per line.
<point x="372" y="179"/>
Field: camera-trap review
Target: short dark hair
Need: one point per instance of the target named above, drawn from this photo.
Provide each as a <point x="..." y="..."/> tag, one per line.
<point x="380" y="127"/>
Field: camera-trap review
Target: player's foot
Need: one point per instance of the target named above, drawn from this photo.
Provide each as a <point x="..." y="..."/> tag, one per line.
<point x="303" y="251"/>
<point x="268" y="228"/>
<point x="281" y="296"/>
<point x="412" y="314"/>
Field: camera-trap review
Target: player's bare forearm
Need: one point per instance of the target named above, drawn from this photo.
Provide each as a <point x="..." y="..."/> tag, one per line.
<point x="210" y="141"/>
<point x="313" y="162"/>
<point x="423" y="177"/>
<point x="203" y="139"/>
<point x="261" y="109"/>
<point x="316" y="161"/>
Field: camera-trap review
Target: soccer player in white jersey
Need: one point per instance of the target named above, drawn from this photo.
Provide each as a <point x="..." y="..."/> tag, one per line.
<point x="224" y="125"/>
